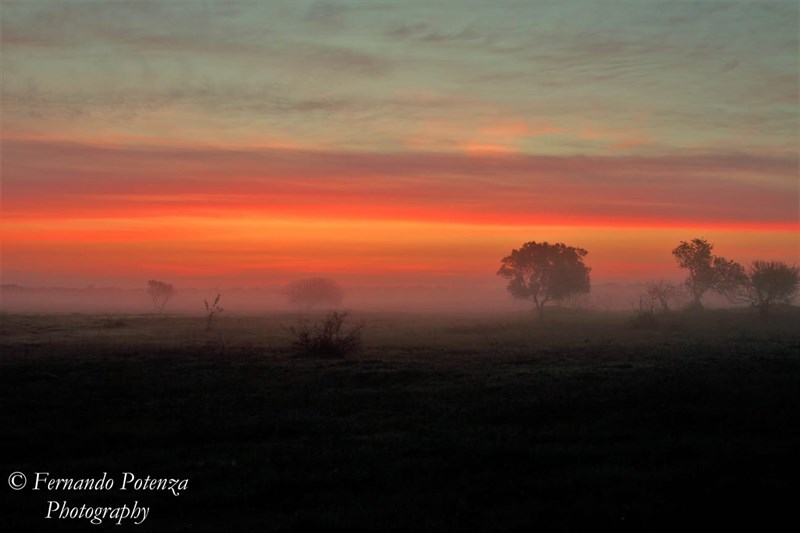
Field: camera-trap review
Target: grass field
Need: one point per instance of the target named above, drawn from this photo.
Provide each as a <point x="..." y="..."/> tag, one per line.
<point x="442" y="422"/>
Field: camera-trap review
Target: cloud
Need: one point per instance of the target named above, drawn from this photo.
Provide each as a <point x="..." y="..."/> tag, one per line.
<point x="64" y="179"/>
<point x="424" y="32"/>
<point x="239" y="71"/>
<point x="212" y="98"/>
<point x="265" y="32"/>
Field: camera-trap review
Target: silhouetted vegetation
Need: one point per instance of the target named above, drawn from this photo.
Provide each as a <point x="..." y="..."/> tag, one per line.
<point x="654" y="303"/>
<point x="707" y="271"/>
<point x="664" y="293"/>
<point x="644" y="311"/>
<point x="212" y="310"/>
<point x="768" y="283"/>
<point x="542" y="272"/>
<point x="315" y="291"/>
<point x="504" y="425"/>
<point x="160" y="293"/>
<point x="328" y="337"/>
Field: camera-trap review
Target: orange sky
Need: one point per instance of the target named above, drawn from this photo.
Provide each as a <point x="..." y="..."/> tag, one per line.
<point x="254" y="146"/>
<point x="80" y="213"/>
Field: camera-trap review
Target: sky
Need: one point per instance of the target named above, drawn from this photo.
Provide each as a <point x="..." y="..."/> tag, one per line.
<point x="391" y="143"/>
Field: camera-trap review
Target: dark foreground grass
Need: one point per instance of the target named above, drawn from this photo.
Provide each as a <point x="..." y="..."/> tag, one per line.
<point x="448" y="424"/>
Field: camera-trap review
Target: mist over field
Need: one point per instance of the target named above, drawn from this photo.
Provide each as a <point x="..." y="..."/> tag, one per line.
<point x="246" y="301"/>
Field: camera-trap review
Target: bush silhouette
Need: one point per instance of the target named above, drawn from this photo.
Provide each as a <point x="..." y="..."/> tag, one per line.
<point x="644" y="311"/>
<point x="328" y="337"/>
<point x="769" y="283"/>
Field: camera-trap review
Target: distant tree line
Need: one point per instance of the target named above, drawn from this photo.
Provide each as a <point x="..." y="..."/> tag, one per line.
<point x="541" y="273"/>
<point x="544" y="272"/>
<point x="762" y="284"/>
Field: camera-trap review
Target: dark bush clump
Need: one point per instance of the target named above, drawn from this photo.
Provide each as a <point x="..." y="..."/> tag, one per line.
<point x="328" y="337"/>
<point x="644" y="312"/>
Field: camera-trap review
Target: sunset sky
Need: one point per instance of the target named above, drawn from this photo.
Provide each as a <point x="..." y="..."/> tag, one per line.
<point x="390" y="143"/>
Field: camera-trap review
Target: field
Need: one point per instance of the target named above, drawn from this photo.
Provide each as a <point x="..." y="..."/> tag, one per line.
<point x="442" y="422"/>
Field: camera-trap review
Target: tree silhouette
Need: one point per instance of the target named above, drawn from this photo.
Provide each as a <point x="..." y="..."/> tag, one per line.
<point x="542" y="272"/>
<point x="662" y="292"/>
<point x="160" y="293"/>
<point x="314" y="291"/>
<point x="769" y="283"/>
<point x="707" y="271"/>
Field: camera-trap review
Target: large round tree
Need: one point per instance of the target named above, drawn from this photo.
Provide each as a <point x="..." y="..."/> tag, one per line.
<point x="543" y="272"/>
<point x="314" y="291"/>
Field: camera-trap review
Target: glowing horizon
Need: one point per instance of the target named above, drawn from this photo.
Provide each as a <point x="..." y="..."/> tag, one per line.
<point x="252" y="144"/>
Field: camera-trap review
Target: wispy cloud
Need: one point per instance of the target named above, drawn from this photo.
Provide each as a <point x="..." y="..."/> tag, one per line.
<point x="727" y="188"/>
<point x="310" y="70"/>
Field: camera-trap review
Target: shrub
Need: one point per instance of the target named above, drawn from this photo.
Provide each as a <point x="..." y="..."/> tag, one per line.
<point x="768" y="284"/>
<point x="663" y="293"/>
<point x="644" y="312"/>
<point x="327" y="337"/>
<point x="212" y="310"/>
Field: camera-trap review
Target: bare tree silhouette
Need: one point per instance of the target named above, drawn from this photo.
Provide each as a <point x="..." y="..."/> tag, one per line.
<point x="663" y="292"/>
<point x="212" y="310"/>
<point x="160" y="293"/>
